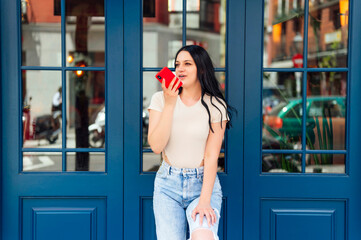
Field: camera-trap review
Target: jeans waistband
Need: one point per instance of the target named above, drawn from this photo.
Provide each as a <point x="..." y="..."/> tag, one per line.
<point x="182" y="171"/>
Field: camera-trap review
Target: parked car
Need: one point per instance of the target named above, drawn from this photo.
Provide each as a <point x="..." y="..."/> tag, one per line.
<point x="325" y="116"/>
<point x="271" y="96"/>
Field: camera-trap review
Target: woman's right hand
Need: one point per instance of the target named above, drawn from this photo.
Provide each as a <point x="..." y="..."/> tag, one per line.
<point x="170" y="93"/>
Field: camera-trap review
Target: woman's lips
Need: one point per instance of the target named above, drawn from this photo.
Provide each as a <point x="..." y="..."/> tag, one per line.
<point x="181" y="77"/>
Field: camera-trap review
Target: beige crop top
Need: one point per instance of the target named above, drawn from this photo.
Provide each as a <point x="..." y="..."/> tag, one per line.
<point x="190" y="129"/>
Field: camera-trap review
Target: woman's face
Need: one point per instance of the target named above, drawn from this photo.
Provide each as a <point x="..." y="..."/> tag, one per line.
<point x="186" y="69"/>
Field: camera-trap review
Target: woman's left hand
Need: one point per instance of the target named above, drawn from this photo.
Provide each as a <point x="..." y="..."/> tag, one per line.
<point x="204" y="210"/>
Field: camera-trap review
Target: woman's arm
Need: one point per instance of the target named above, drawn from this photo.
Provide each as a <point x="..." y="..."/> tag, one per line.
<point x="213" y="148"/>
<point x="159" y="128"/>
<point x="160" y="123"/>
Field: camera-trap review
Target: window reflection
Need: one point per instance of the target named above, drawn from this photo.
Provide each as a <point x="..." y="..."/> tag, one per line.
<point x="41" y="33"/>
<point x="206" y="26"/>
<point x="281" y="163"/>
<point x="283" y="34"/>
<point x="85" y="109"/>
<point x="328" y="34"/>
<point x="282" y="110"/>
<point x="92" y="161"/>
<point x="326" y="110"/>
<point x="151" y="161"/>
<point x="42" y="106"/>
<point x="162" y="32"/>
<point x="85" y="33"/>
<point x="325" y="163"/>
<point x="42" y="161"/>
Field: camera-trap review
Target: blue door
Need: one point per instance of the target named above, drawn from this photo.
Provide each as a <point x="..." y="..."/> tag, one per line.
<point x="152" y="39"/>
<point x="76" y="81"/>
<point x="62" y="168"/>
<point x="302" y="173"/>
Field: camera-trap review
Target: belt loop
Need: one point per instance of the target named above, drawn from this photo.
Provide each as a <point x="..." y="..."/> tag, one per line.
<point x="197" y="172"/>
<point x="169" y="170"/>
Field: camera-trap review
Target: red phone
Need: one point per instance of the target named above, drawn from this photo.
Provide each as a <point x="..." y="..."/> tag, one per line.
<point x="167" y="75"/>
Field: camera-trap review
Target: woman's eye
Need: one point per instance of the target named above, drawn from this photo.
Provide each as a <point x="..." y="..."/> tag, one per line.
<point x="188" y="64"/>
<point x="176" y="65"/>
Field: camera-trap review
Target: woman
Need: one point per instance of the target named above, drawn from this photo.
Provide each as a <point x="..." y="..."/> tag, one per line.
<point x="187" y="126"/>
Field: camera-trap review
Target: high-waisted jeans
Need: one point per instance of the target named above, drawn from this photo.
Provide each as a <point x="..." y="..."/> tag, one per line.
<point x="176" y="194"/>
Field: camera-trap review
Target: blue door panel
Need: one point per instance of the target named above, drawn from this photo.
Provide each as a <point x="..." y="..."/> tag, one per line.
<point x="298" y="219"/>
<point x="147" y="226"/>
<point x="63" y="218"/>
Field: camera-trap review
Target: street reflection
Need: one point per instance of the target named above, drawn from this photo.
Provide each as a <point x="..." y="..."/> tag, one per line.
<point x="42" y="109"/>
<point x="325" y="163"/>
<point x="41" y="33"/>
<point x="325" y="118"/>
<point x="85" y="109"/>
<point x="283" y="34"/>
<point x="282" y="163"/>
<point x="328" y="34"/>
<point x="326" y="98"/>
<point x="42" y="162"/>
<point x="85" y="33"/>
<point x="282" y="110"/>
<point x="96" y="162"/>
<point x="163" y="28"/>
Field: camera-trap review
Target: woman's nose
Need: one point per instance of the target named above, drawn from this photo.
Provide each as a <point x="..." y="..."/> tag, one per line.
<point x="180" y="68"/>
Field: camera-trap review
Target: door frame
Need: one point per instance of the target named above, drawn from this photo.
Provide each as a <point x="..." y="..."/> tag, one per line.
<point x="1" y="132"/>
<point x="349" y="193"/>
<point x="11" y="153"/>
<point x="232" y="179"/>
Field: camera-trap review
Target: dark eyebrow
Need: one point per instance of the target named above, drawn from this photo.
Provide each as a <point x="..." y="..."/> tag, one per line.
<point x="185" y="61"/>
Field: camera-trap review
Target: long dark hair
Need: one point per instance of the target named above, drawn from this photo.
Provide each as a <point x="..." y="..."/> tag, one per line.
<point x="208" y="81"/>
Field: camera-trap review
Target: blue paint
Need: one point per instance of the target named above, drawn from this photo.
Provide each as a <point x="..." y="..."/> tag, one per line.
<point x="125" y="192"/>
<point x="83" y="186"/>
<point x="1" y="135"/>
<point x="298" y="190"/>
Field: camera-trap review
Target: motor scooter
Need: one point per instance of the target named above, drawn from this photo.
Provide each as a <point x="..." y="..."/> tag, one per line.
<point x="97" y="130"/>
<point x="47" y="127"/>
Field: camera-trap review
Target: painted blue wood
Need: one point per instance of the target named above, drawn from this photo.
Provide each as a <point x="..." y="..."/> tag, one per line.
<point x="306" y="187"/>
<point x="136" y="185"/>
<point x="83" y="186"/>
<point x="62" y="68"/>
<point x="232" y="180"/>
<point x="63" y="218"/>
<point x="304" y="84"/>
<point x="353" y="164"/>
<point x="184" y="23"/>
<point x="114" y="121"/>
<point x="303" y="219"/>
<point x="9" y="90"/>
<point x="303" y="69"/>
<point x="133" y="175"/>
<point x="155" y="69"/>
<point x="1" y="133"/>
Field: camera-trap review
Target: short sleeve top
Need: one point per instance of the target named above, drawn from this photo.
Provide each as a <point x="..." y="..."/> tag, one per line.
<point x="190" y="129"/>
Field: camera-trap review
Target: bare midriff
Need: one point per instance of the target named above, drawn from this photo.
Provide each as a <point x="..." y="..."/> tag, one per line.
<point x="165" y="158"/>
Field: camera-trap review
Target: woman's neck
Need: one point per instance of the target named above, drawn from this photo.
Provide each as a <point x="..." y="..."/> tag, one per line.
<point x="193" y="93"/>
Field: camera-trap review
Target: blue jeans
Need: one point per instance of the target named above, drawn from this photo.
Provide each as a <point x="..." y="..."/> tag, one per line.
<point x="176" y="194"/>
